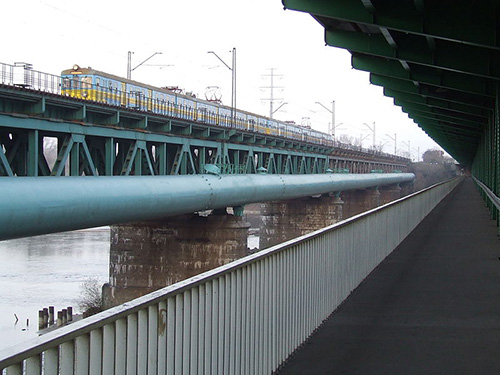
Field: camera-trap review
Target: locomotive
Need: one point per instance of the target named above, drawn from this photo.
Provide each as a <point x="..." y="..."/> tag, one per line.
<point x="91" y="84"/>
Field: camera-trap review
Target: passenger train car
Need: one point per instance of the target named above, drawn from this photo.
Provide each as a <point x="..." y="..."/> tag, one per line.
<point x="90" y="84"/>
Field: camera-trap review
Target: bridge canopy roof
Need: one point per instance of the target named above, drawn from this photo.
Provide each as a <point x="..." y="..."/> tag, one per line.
<point x="438" y="59"/>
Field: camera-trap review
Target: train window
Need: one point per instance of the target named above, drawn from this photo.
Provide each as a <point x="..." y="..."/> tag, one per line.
<point x="86" y="82"/>
<point x="66" y="83"/>
<point x="97" y="81"/>
<point x="76" y="82"/>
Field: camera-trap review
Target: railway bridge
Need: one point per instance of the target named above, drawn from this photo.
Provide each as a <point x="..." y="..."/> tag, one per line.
<point x="152" y="167"/>
<point x="429" y="302"/>
<point x="99" y="139"/>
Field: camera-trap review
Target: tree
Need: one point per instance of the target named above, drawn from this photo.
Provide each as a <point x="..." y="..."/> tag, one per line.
<point x="434" y="168"/>
<point x="344" y="138"/>
<point x="90" y="301"/>
<point x="433" y="157"/>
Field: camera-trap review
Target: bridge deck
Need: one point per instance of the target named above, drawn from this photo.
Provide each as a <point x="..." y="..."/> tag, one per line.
<point x="432" y="307"/>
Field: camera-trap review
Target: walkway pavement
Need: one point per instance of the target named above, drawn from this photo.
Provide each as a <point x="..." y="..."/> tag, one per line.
<point x="431" y="307"/>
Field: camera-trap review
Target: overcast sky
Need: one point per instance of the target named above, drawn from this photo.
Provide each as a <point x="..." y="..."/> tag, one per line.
<point x="55" y="34"/>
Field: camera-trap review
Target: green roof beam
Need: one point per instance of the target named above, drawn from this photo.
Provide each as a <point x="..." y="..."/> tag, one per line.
<point x="485" y="104"/>
<point x="444" y="79"/>
<point x="412" y="106"/>
<point x="458" y="58"/>
<point x="440" y="117"/>
<point x="438" y="20"/>
<point x="460" y="108"/>
<point x="462" y="150"/>
<point x="430" y="123"/>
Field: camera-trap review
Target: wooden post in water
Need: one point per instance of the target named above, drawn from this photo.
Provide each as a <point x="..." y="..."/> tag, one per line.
<point x="45" y="317"/>
<point x="41" y="319"/>
<point x="51" y="314"/>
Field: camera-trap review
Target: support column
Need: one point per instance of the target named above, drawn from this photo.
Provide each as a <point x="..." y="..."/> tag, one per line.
<point x="389" y="193"/>
<point x="357" y="201"/>
<point x="147" y="256"/>
<point x="284" y="220"/>
<point x="406" y="189"/>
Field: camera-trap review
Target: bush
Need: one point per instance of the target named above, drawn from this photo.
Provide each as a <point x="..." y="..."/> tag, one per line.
<point x="90" y="301"/>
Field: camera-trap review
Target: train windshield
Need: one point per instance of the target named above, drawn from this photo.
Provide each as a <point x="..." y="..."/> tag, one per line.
<point x="77" y="82"/>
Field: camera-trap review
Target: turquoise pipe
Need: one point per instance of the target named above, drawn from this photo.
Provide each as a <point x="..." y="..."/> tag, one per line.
<point x="40" y="205"/>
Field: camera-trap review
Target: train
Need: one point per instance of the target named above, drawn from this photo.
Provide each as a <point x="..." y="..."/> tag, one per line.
<point x="91" y="84"/>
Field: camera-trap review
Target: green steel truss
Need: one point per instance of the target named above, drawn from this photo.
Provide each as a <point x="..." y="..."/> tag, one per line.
<point x="98" y="140"/>
<point x="439" y="60"/>
<point x="107" y="151"/>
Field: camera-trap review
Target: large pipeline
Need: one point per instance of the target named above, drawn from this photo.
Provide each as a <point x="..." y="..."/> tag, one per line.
<point x="39" y="205"/>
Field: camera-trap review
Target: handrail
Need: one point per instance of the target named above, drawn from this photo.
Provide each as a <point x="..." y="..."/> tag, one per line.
<point x="245" y="317"/>
<point x="493" y="198"/>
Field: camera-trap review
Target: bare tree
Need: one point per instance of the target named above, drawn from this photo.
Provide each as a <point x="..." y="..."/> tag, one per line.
<point x="347" y="139"/>
<point x="90" y="301"/>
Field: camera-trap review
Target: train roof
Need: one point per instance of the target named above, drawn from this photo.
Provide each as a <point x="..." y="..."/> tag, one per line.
<point x="77" y="70"/>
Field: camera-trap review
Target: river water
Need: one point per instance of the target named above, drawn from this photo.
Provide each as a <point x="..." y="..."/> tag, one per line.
<point x="42" y="271"/>
<point x="46" y="270"/>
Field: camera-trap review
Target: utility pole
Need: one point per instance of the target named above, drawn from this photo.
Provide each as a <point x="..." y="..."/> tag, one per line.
<point x="395" y="142"/>
<point x="418" y="152"/>
<point x="233" y="82"/>
<point x="129" y="63"/>
<point x="362" y="138"/>
<point x="332" y="126"/>
<point x="272" y="87"/>
<point x="408" y="145"/>
<point x="373" y="131"/>
<point x="232" y="68"/>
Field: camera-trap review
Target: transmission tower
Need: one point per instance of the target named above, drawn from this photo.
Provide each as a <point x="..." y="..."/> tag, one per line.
<point x="271" y="89"/>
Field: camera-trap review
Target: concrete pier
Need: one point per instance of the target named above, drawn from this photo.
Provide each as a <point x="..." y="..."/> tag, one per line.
<point x="357" y="201"/>
<point x="288" y="219"/>
<point x="146" y="256"/>
<point x="284" y="220"/>
<point x="389" y="193"/>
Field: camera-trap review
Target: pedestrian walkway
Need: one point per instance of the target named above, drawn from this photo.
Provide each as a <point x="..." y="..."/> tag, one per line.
<point x="431" y="307"/>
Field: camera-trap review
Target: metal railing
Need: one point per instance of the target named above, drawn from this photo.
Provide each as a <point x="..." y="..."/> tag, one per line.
<point x="492" y="201"/>
<point x="245" y="317"/>
<point x="22" y="76"/>
<point x="495" y="201"/>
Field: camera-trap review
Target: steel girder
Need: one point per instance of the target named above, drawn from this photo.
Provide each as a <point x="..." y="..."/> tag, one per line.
<point x="106" y="151"/>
